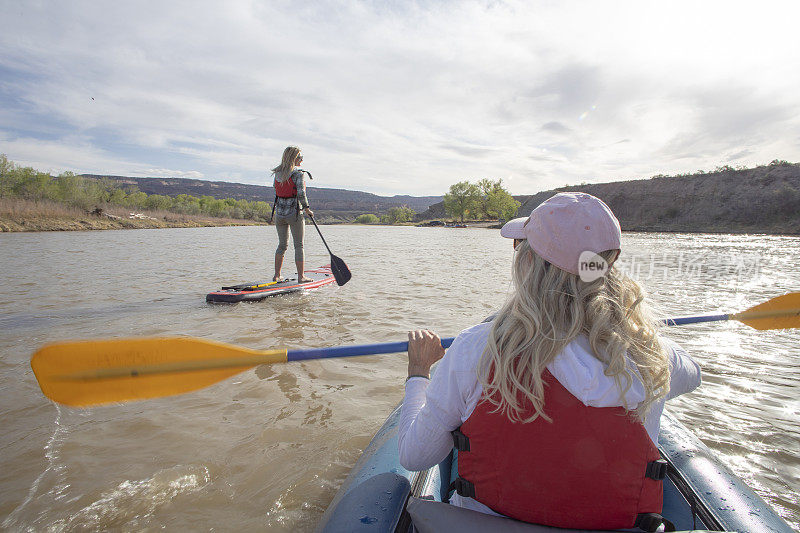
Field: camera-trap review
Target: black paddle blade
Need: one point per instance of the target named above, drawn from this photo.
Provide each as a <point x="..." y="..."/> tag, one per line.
<point x="340" y="270"/>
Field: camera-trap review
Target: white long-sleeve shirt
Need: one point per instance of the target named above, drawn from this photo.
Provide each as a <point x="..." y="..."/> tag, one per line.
<point x="432" y="409"/>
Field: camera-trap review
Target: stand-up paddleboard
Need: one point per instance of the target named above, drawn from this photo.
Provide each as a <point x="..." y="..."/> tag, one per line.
<point x="252" y="292"/>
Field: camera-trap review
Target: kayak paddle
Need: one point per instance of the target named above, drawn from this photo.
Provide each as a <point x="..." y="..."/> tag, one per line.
<point x="94" y="372"/>
<point x="339" y="269"/>
<point x="86" y="373"/>
<point x="781" y="312"/>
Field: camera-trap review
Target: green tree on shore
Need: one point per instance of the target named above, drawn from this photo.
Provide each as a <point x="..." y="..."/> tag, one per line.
<point x="398" y="215"/>
<point x="463" y="199"/>
<point x="496" y="202"/>
<point x="5" y="170"/>
<point x="487" y="198"/>
<point x="500" y="205"/>
<point x="487" y="187"/>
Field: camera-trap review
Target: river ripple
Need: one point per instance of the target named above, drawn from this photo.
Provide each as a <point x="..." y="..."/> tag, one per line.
<point x="269" y="447"/>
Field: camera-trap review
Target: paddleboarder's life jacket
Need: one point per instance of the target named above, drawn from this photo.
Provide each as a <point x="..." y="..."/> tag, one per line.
<point x="286" y="188"/>
<point x="590" y="468"/>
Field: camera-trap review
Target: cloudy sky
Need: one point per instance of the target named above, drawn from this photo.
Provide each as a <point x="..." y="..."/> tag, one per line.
<point x="400" y="97"/>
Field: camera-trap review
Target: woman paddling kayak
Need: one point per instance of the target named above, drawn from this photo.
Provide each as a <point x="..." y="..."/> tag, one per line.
<point x="290" y="204"/>
<point x="555" y="404"/>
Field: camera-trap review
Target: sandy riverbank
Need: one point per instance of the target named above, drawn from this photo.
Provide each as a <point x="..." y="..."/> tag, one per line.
<point x="91" y="222"/>
<point x="36" y="223"/>
<point x="21" y="215"/>
<point x="18" y="215"/>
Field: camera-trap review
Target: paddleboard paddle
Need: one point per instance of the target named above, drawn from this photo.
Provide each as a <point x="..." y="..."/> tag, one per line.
<point x="338" y="267"/>
<point x="251" y="287"/>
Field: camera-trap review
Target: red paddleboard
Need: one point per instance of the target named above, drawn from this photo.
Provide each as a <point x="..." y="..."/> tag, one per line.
<point x="253" y="292"/>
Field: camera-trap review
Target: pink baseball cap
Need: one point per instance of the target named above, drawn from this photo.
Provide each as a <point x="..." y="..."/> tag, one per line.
<point x="514" y="229"/>
<point x="569" y="224"/>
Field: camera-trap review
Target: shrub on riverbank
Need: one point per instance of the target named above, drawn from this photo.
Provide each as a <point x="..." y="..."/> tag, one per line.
<point x="18" y="207"/>
<point x="71" y="191"/>
<point x="396" y="215"/>
<point x="368" y="218"/>
<point x="17" y="214"/>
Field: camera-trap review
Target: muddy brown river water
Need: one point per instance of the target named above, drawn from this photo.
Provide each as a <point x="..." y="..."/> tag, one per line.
<point x="268" y="448"/>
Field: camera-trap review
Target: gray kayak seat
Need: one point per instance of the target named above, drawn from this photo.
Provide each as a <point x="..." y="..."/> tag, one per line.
<point x="436" y="517"/>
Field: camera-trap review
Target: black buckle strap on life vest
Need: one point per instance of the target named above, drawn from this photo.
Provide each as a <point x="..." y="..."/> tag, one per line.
<point x="657" y="469"/>
<point x="460" y="441"/>
<point x="649" y="522"/>
<point x="462" y="487"/>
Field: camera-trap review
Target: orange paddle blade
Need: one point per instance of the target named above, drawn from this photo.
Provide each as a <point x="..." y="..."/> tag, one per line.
<point x="96" y="372"/>
<point x="782" y="312"/>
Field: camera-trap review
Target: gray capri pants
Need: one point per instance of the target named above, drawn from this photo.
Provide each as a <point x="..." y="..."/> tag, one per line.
<point x="297" y="225"/>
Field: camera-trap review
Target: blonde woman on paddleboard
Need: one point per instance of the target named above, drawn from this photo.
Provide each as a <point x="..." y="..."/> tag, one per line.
<point x="554" y="405"/>
<point x="290" y="204"/>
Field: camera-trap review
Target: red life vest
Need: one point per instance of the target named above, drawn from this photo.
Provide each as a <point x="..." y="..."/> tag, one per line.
<point x="591" y="468"/>
<point x="286" y="188"/>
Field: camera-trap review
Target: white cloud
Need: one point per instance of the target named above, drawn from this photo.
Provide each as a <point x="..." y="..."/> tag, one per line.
<point x="401" y="97"/>
<point x="66" y="154"/>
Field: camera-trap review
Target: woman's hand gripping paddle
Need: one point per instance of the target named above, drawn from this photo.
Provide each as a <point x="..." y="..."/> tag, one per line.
<point x="87" y="373"/>
<point x="339" y="269"/>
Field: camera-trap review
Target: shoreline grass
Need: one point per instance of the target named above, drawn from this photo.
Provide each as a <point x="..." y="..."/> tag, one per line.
<point x="20" y="215"/>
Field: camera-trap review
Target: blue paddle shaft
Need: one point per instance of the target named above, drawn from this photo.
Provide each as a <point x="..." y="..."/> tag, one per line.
<point x="680" y="321"/>
<point x="397" y="347"/>
<point x="352" y="351"/>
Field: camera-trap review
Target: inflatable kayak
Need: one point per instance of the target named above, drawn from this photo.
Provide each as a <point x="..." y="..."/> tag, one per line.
<point x="700" y="493"/>
<point x="253" y="292"/>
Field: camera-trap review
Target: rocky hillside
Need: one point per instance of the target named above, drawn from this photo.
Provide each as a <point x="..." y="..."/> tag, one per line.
<point x="764" y="199"/>
<point x="333" y="201"/>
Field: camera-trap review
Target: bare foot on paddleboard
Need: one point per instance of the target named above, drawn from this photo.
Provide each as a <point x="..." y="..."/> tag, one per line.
<point x="277" y="278"/>
<point x="304" y="280"/>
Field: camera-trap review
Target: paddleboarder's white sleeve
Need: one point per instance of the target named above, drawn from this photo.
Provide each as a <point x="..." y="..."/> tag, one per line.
<point x="432" y="409"/>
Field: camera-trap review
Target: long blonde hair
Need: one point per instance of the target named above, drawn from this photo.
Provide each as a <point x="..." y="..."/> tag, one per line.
<point x="287" y="166"/>
<point x="548" y="309"/>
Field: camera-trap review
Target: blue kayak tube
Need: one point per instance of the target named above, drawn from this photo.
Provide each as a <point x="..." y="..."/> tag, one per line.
<point x="379" y="495"/>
